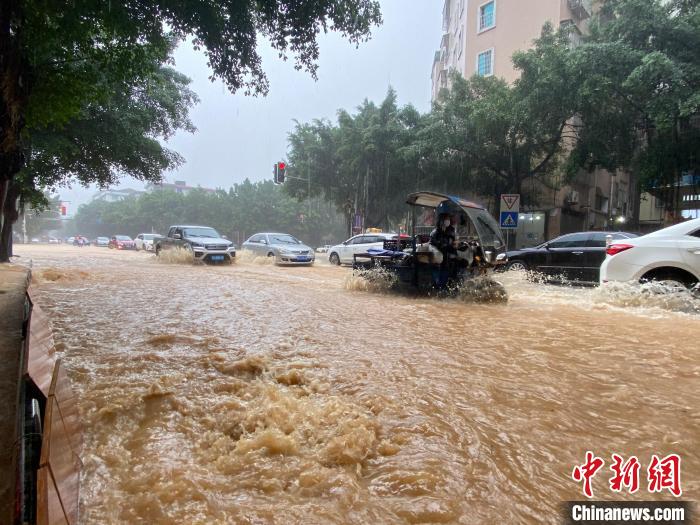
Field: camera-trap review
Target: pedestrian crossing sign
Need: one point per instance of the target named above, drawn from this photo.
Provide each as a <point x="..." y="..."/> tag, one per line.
<point x="509" y="219"/>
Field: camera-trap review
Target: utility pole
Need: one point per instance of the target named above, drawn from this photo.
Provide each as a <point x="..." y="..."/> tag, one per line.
<point x="24" y="226"/>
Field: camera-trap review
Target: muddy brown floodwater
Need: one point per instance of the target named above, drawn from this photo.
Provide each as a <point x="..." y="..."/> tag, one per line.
<point x="259" y="394"/>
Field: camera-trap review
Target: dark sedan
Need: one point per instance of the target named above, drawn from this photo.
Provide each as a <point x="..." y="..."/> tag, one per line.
<point x="571" y="257"/>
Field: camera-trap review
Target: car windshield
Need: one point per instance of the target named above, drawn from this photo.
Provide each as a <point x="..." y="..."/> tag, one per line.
<point x="283" y="239"/>
<point x="122" y="237"/>
<point x="148" y="236"/>
<point x="102" y="239"/>
<point x="201" y="232"/>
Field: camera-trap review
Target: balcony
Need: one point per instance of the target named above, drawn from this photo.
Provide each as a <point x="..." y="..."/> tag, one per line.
<point x="446" y="16"/>
<point x="581" y="9"/>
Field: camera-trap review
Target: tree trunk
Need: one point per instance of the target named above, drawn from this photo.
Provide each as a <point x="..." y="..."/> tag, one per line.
<point x="15" y="85"/>
<point x="10" y="214"/>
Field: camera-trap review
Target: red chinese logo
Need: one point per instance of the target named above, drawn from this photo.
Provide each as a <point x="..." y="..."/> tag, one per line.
<point x="662" y="474"/>
<point x="626" y="474"/>
<point x="586" y="472"/>
<point x="665" y="474"/>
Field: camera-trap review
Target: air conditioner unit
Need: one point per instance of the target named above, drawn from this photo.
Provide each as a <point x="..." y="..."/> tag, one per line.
<point x="572" y="197"/>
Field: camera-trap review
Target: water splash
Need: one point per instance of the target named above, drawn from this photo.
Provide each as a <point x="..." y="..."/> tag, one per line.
<point x="658" y="295"/>
<point x="482" y="289"/>
<point x="175" y="255"/>
<point x="648" y="299"/>
<point x="377" y="280"/>
<point x="59" y="275"/>
<point x="250" y="257"/>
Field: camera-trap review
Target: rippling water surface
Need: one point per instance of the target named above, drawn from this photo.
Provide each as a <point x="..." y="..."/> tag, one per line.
<point x="260" y="394"/>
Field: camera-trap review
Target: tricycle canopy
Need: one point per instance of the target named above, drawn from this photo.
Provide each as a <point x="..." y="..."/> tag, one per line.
<point x="482" y="223"/>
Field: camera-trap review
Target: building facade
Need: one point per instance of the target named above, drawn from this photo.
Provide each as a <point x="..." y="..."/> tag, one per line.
<point x="479" y="38"/>
<point x="112" y="195"/>
<point x="179" y="186"/>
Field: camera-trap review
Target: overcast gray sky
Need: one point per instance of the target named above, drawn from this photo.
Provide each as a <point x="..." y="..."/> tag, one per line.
<point x="241" y="137"/>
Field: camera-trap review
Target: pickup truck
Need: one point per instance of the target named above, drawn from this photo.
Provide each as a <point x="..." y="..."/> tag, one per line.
<point x="205" y="243"/>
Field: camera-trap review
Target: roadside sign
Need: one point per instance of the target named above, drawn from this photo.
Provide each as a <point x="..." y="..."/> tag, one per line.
<point x="510" y="202"/>
<point x="509" y="220"/>
<point x="510" y="210"/>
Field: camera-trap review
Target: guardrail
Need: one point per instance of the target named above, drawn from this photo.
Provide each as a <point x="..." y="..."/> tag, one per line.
<point x="47" y="455"/>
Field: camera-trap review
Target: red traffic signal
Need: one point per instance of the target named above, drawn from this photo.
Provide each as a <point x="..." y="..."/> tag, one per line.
<point x="64" y="210"/>
<point x="280" y="169"/>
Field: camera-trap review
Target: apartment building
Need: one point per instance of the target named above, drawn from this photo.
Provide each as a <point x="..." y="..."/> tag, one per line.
<point x="480" y="37"/>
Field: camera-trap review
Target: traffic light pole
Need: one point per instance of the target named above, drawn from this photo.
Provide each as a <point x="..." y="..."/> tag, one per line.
<point x="297" y="178"/>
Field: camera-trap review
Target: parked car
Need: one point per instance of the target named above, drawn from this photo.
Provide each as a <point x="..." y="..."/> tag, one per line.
<point x="671" y="254"/>
<point x="54" y="240"/>
<point x="285" y="248"/>
<point x="101" y="242"/>
<point x="323" y="249"/>
<point x="121" y="242"/>
<point x="144" y="241"/>
<point x="205" y="243"/>
<point x="571" y="257"/>
<point x="343" y="253"/>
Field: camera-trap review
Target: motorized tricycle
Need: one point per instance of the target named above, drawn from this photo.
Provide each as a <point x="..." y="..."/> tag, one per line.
<point x="417" y="264"/>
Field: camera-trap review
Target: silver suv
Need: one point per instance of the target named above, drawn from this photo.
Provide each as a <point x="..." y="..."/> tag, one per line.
<point x="205" y="242"/>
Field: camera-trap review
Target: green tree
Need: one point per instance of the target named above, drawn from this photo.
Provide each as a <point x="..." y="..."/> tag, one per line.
<point x="495" y="136"/>
<point x="59" y="57"/>
<point x="43" y="217"/>
<point x="361" y="164"/>
<point x="104" y="141"/>
<point x="245" y="209"/>
<point x="639" y="90"/>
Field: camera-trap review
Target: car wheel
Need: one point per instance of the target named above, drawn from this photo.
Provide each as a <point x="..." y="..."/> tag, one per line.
<point x="670" y="280"/>
<point x="157" y="251"/>
<point x="270" y="254"/>
<point x="516" y="266"/>
<point x="334" y="259"/>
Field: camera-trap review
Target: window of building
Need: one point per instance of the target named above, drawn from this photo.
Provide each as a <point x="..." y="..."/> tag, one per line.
<point x="484" y="63"/>
<point x="487" y="15"/>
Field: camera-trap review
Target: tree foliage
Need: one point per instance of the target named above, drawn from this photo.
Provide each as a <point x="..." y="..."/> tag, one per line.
<point x="483" y="137"/>
<point x="43" y="217"/>
<point x="627" y="97"/>
<point x="243" y="210"/>
<point x="59" y="58"/>
<point x="639" y="89"/>
<point x="360" y="163"/>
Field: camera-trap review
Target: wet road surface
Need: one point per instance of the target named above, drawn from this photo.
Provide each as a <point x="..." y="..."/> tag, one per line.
<point x="260" y="394"/>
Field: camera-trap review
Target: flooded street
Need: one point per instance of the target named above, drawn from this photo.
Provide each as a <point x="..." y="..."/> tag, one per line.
<point x="260" y="394"/>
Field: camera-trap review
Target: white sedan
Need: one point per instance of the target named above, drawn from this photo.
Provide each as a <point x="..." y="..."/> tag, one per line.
<point x="144" y="241"/>
<point x="343" y="253"/>
<point x="671" y="254"/>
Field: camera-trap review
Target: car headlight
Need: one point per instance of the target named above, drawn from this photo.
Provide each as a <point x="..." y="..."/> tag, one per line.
<point x="197" y="245"/>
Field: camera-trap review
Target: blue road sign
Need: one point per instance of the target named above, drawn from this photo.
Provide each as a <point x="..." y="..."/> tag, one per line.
<point x="509" y="220"/>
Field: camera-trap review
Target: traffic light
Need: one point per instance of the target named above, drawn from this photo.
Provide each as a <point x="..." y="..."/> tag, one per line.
<point x="279" y="171"/>
<point x="64" y="210"/>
